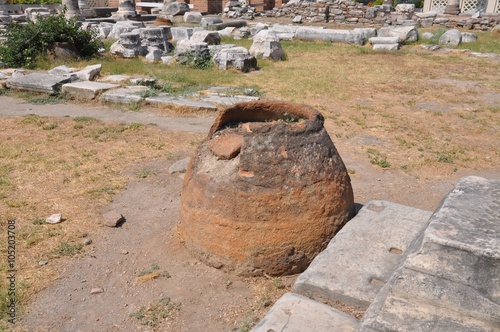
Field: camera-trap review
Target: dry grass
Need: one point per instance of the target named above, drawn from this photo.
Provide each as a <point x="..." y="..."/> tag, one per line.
<point x="68" y="166"/>
<point x="266" y="291"/>
<point x="433" y="111"/>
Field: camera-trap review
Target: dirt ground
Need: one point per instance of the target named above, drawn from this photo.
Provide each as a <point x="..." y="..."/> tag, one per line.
<point x="148" y="281"/>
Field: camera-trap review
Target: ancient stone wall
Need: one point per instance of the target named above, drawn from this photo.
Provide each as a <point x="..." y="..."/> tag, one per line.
<point x="350" y="12"/>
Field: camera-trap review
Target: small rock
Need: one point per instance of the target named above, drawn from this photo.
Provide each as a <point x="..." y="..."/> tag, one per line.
<point x="168" y="60"/>
<point x="469" y="37"/>
<point x="113" y="218"/>
<point x="87" y="242"/>
<point x="42" y="263"/>
<point x="124" y="252"/>
<point x="297" y="19"/>
<point x="54" y="219"/>
<point x="179" y="166"/>
<point x="96" y="290"/>
<point x="427" y="35"/>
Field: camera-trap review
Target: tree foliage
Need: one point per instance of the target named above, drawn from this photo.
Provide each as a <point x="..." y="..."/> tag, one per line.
<point x="25" y="42"/>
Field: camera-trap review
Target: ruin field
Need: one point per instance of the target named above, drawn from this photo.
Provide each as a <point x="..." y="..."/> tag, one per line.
<point x="408" y="125"/>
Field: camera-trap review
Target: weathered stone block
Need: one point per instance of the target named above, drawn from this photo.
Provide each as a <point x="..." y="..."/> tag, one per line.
<point x="404" y="33"/>
<point x="331" y="35"/>
<point x="38" y="82"/>
<point x="384" y="40"/>
<point x="361" y="258"/>
<point x="204" y="36"/>
<point x="469" y="37"/>
<point x="87" y="90"/>
<point x="451" y="279"/>
<point x="266" y="44"/>
<point x="210" y="20"/>
<point x="124" y="95"/>
<point x="180" y="102"/>
<point x="193" y="17"/>
<point x="174" y="8"/>
<point x="235" y="57"/>
<point x="181" y="33"/>
<point x="295" y="313"/>
<point x="124" y="26"/>
<point x="386" y="47"/>
<point x="89" y="73"/>
<point x="451" y="37"/>
<point x="425" y="22"/>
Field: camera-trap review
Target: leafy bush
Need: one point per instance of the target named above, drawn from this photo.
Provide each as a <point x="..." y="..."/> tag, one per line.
<point x="24" y="43"/>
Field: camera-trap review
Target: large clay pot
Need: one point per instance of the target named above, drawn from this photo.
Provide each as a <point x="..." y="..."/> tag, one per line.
<point x="265" y="191"/>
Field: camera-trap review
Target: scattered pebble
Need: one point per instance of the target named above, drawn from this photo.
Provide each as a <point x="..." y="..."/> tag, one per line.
<point x="96" y="290"/>
<point x="84" y="234"/>
<point x="54" y="219"/>
<point x="42" y="263"/>
<point x="87" y="242"/>
<point x="113" y="218"/>
<point x="124" y="252"/>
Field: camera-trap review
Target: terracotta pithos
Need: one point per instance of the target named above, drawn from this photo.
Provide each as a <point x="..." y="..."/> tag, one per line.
<point x="265" y="191"/>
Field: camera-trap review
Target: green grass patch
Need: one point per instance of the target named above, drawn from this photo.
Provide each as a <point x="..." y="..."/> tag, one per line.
<point x="156" y="313"/>
<point x="487" y="41"/>
<point x="67" y="249"/>
<point x="85" y="119"/>
<point x="377" y="158"/>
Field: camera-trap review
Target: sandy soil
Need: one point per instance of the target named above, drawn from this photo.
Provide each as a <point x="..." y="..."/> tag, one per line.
<point x="201" y="298"/>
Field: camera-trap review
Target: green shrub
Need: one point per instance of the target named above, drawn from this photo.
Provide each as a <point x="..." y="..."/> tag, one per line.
<point x="24" y="43"/>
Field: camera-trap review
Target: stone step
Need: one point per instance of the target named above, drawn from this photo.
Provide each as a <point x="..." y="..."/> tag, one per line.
<point x="383" y="40"/>
<point x="87" y="89"/>
<point x="296" y="313"/>
<point x="126" y="95"/>
<point x="361" y="258"/>
<point x="450" y="280"/>
<point x="180" y="102"/>
<point x="38" y="82"/>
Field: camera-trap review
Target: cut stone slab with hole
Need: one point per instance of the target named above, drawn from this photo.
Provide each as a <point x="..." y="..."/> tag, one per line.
<point x="180" y="102"/>
<point x="361" y="258"/>
<point x="294" y="313"/>
<point x="87" y="90"/>
<point x="450" y="281"/>
<point x="38" y="82"/>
